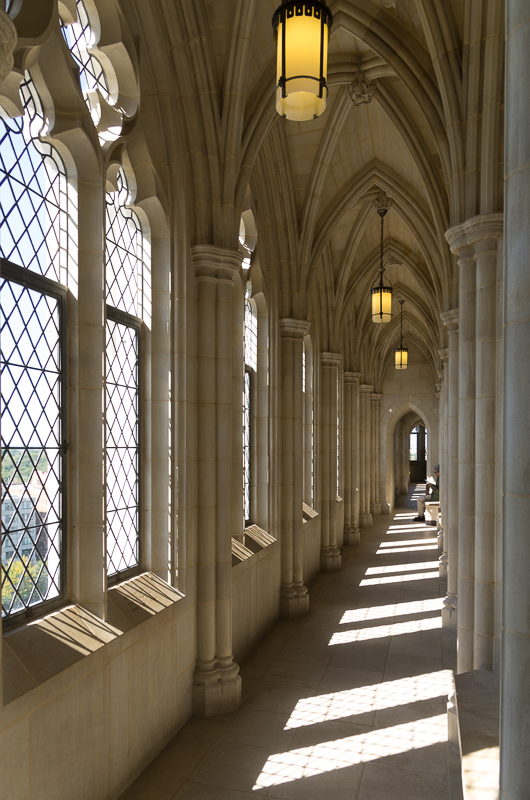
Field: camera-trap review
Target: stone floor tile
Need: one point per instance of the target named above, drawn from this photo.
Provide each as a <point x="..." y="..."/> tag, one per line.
<point x="233" y="767"/>
<point x="258" y="727"/>
<point x="379" y="781"/>
<point x="286" y="672"/>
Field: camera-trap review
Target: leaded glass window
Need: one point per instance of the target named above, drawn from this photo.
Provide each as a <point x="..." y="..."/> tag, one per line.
<point x="251" y="363"/>
<point x="80" y="39"/>
<point x="38" y="241"/>
<point x="122" y="444"/>
<point x="413" y="446"/>
<point x="36" y="203"/>
<point x="126" y="256"/>
<point x="31" y="441"/>
<point x="127" y="302"/>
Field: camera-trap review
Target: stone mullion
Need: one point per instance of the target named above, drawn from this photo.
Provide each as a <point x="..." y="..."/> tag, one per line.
<point x="294" y="597"/>
<point x="449" y="610"/>
<point x="515" y="666"/>
<point x="86" y="342"/>
<point x="355" y="536"/>
<point x="329" y="555"/>
<point x="217" y="684"/>
<point x="159" y="411"/>
<point x="365" y="513"/>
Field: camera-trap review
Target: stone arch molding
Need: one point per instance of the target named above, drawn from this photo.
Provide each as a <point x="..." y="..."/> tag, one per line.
<point x="400" y="406"/>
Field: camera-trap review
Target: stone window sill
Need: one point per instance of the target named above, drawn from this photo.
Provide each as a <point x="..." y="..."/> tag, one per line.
<point x="43" y="648"/>
<point x="255" y="541"/>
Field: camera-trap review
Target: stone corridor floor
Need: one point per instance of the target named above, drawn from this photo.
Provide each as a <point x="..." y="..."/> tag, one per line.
<point x="348" y="703"/>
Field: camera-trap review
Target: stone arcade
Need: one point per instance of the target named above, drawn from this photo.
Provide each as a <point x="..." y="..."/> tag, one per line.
<point x="217" y="420"/>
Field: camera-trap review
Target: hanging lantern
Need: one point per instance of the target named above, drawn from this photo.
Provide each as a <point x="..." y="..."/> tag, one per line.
<point x="301" y="31"/>
<point x="382" y="292"/>
<point x="401" y="354"/>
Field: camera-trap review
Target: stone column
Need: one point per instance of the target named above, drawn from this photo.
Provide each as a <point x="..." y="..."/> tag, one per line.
<point x="443" y="457"/>
<point x="515" y="665"/>
<point x="329" y="555"/>
<point x="351" y="454"/>
<point x="458" y="241"/>
<point x="294" y="598"/>
<point x="217" y="683"/>
<point x="365" y="520"/>
<point x="485" y="233"/>
<point x="449" y="478"/>
<point x="347" y="471"/>
<point x="375" y="453"/>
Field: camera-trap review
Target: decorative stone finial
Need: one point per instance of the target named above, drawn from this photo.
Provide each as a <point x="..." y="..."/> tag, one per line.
<point x="8" y="40"/>
<point x="361" y="91"/>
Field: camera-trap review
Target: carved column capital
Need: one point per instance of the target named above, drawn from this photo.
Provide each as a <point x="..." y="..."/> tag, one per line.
<point x="215" y="263"/>
<point x="352" y="377"/>
<point x="294" y="328"/>
<point x="330" y="359"/>
<point x="450" y="319"/>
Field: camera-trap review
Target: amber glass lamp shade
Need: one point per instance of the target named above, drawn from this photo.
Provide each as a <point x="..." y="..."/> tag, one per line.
<point x="381" y="303"/>
<point x="302" y="33"/>
<point x="401" y="355"/>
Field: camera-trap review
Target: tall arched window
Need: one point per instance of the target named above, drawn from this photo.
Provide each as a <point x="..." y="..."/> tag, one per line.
<point x="127" y="264"/>
<point x="38" y="249"/>
<point x="251" y="365"/>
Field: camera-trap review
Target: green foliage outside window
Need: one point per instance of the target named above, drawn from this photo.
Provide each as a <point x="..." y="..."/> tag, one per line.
<point x="17" y="571"/>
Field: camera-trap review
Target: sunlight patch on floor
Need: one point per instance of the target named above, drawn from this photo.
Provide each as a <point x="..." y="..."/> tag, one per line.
<point x="398" y="550"/>
<point x="381" y="631"/>
<point x="305" y="762"/>
<point x="391" y="610"/>
<point x="420" y="543"/>
<point x="413" y="576"/>
<point x="401" y="568"/>
<point x="375" y="697"/>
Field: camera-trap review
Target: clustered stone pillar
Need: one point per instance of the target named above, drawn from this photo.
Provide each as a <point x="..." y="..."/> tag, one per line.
<point x="486" y="256"/>
<point x="217" y="683"/>
<point x="466" y="447"/>
<point x="294" y="597"/>
<point x="375" y="454"/>
<point x="365" y="519"/>
<point x="515" y="667"/>
<point x="450" y="475"/>
<point x="476" y="242"/>
<point x="443" y="458"/>
<point x="351" y="458"/>
<point x="329" y="554"/>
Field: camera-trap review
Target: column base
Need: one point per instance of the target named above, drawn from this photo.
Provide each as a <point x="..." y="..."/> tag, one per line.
<point x="449" y="614"/>
<point x="365" y="520"/>
<point x="330" y="559"/>
<point x="376" y="509"/>
<point x="294" y="601"/>
<point x="442" y="566"/>
<point x="352" y="535"/>
<point x="216" y="689"/>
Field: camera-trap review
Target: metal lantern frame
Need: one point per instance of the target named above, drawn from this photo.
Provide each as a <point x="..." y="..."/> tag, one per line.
<point x="401" y="354"/>
<point x="296" y="8"/>
<point x="380" y="289"/>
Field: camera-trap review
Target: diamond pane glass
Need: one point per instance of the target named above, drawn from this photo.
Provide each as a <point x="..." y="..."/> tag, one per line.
<point x="30" y="407"/>
<point x="251" y="336"/>
<point x="125" y="252"/>
<point x="122" y="447"/>
<point x="35" y="206"/>
<point x="80" y="39"/>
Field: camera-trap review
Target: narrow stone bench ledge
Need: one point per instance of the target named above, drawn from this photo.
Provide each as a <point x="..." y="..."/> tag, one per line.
<point x="473" y="718"/>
